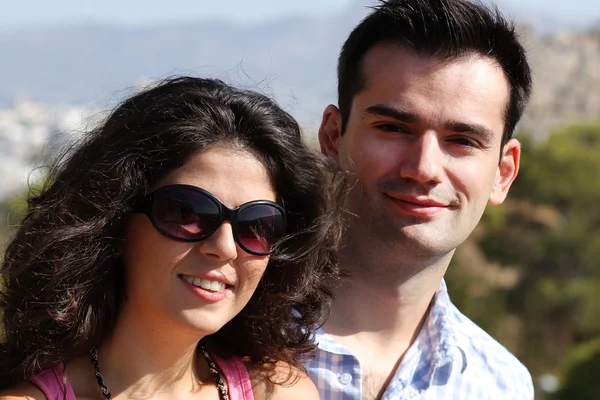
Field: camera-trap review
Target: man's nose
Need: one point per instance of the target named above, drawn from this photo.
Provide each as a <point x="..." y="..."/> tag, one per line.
<point x="423" y="160"/>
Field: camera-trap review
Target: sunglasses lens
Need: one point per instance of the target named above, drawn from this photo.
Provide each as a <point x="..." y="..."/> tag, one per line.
<point x="259" y="227"/>
<point x="185" y="214"/>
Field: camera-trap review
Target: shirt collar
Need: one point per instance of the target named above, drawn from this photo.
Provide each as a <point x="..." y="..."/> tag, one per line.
<point x="438" y="339"/>
<point x="442" y="332"/>
<point x="328" y="344"/>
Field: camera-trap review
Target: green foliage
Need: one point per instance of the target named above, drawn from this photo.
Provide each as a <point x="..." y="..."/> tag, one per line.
<point x="582" y="369"/>
<point x="14" y="207"/>
<point x="549" y="228"/>
<point x="563" y="171"/>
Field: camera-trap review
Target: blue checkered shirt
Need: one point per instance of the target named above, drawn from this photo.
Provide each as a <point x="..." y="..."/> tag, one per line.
<point x="452" y="358"/>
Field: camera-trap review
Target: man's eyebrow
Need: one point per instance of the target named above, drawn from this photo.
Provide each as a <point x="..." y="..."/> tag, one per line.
<point x="392" y="112"/>
<point x="478" y="129"/>
<point x="405" y="115"/>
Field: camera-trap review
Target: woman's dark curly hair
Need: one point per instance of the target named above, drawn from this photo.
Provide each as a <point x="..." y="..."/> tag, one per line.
<point x="62" y="273"/>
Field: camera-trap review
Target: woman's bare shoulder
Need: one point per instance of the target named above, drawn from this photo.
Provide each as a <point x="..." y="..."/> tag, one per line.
<point x="283" y="382"/>
<point x="22" y="391"/>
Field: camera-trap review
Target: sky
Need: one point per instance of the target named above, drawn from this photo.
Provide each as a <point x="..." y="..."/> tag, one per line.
<point x="28" y="13"/>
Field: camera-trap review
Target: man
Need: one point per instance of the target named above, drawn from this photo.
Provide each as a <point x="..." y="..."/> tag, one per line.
<point x="429" y="94"/>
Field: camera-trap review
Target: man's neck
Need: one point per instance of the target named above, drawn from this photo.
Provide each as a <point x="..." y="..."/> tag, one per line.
<point x="379" y="310"/>
<point x="361" y="311"/>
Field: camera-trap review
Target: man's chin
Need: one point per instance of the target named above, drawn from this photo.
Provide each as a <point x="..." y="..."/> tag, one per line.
<point x="423" y="240"/>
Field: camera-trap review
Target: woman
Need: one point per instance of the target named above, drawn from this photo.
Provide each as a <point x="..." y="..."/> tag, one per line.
<point x="183" y="250"/>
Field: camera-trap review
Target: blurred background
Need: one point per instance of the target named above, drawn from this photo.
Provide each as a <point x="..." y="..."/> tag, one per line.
<point x="530" y="273"/>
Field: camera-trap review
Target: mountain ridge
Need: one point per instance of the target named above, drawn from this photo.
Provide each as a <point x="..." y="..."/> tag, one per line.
<point x="292" y="59"/>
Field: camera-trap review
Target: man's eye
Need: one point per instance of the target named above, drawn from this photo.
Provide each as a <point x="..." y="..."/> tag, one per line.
<point x="392" y="128"/>
<point x="464" y="141"/>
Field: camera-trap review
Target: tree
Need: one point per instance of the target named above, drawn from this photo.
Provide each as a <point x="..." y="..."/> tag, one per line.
<point x="548" y="235"/>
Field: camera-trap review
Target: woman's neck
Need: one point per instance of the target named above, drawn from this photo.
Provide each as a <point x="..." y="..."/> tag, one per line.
<point x="145" y="357"/>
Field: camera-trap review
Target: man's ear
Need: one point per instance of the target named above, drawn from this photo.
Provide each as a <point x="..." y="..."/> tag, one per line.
<point x="507" y="171"/>
<point x="330" y="132"/>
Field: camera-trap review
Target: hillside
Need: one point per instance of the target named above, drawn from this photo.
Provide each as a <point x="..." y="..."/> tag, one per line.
<point x="292" y="59"/>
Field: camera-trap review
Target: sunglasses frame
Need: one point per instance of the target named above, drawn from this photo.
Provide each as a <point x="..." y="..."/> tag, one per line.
<point x="225" y="214"/>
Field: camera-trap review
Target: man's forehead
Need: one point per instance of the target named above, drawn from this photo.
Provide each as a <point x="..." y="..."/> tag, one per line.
<point x="392" y="58"/>
<point x="471" y="89"/>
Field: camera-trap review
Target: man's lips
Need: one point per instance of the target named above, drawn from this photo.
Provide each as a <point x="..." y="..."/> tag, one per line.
<point x="419" y="206"/>
<point x="419" y="201"/>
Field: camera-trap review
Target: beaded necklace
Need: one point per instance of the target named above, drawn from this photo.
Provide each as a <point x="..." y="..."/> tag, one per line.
<point x="212" y="366"/>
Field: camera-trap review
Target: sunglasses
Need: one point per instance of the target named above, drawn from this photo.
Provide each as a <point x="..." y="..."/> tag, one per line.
<point x="190" y="214"/>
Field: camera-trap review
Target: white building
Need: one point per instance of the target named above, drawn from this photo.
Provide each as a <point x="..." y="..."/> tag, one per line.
<point x="28" y="132"/>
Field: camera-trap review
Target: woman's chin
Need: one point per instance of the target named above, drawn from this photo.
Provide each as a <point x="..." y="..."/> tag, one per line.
<point x="202" y="323"/>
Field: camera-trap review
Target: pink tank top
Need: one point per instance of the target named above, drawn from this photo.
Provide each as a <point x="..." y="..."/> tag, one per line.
<point x="53" y="382"/>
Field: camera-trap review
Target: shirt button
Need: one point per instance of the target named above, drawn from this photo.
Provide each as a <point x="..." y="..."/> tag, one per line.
<point x="345" y="378"/>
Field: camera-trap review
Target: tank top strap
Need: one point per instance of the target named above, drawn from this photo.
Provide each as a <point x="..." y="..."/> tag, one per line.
<point x="53" y="382"/>
<point x="236" y="375"/>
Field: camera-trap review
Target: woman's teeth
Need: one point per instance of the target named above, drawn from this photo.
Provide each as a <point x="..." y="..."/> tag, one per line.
<point x="213" y="286"/>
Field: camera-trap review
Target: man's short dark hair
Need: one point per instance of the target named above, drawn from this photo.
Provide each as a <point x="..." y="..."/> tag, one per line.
<point x="446" y="29"/>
